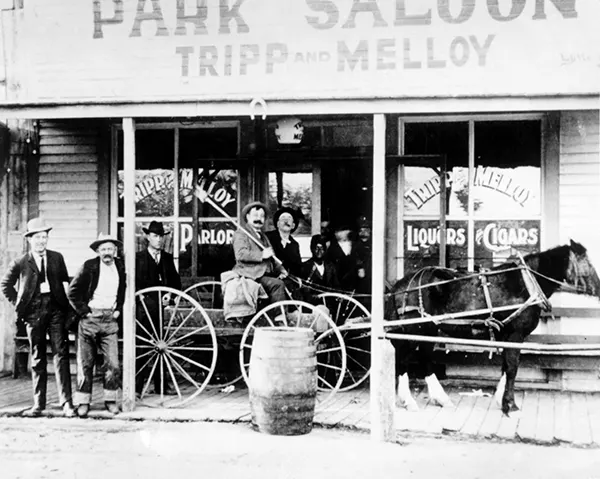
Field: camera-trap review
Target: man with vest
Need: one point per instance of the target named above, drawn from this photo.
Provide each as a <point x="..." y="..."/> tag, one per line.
<point x="97" y="294"/>
<point x="41" y="303"/>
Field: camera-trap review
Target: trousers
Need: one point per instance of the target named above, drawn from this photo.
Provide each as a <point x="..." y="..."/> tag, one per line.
<point x="97" y="332"/>
<point x="43" y="318"/>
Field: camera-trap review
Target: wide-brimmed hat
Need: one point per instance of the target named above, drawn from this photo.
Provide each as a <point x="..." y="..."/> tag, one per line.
<point x="102" y="238"/>
<point x="296" y="215"/>
<point x="255" y="204"/>
<point x="36" y="225"/>
<point x="155" y="227"/>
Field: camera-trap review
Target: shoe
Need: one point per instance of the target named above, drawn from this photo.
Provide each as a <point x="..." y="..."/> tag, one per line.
<point x="112" y="407"/>
<point x="68" y="410"/>
<point x="83" y="410"/>
<point x="35" y="411"/>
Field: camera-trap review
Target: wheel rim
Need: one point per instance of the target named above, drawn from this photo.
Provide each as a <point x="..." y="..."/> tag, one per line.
<point x="347" y="310"/>
<point x="328" y="341"/>
<point x="176" y="347"/>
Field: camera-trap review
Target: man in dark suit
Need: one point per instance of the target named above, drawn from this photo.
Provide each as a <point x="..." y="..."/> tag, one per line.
<point x="41" y="303"/>
<point x="254" y="261"/>
<point x="97" y="294"/>
<point x="153" y="267"/>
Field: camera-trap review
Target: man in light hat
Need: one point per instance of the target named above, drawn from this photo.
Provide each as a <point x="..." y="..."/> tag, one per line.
<point x="97" y="294"/>
<point x="41" y="303"/>
<point x="254" y="261"/>
<point x="153" y="267"/>
<point x="285" y="247"/>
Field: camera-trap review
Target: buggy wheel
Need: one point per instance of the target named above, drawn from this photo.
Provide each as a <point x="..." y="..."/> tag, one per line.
<point x="176" y="347"/>
<point x="210" y="296"/>
<point x="328" y="341"/>
<point x="345" y="311"/>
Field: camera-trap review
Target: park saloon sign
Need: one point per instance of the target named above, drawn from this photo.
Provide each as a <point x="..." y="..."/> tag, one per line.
<point x="243" y="49"/>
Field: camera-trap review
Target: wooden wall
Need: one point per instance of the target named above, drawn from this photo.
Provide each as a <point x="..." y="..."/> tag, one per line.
<point x="69" y="187"/>
<point x="14" y="191"/>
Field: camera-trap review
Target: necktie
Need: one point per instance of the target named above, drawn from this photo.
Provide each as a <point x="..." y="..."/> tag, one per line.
<point x="156" y="258"/>
<point x="43" y="272"/>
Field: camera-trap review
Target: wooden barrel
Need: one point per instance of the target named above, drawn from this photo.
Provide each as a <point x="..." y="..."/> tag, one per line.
<point x="283" y="380"/>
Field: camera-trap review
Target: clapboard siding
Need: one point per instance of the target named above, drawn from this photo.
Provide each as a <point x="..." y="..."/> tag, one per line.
<point x="579" y="180"/>
<point x="68" y="187"/>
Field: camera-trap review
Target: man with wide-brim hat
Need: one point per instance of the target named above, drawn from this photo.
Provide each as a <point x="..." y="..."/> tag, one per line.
<point x="285" y="246"/>
<point x="42" y="306"/>
<point x="97" y="294"/>
<point x="153" y="267"/>
<point x="254" y="254"/>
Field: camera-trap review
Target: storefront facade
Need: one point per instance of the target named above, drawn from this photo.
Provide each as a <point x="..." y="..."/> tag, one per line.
<point x="490" y="108"/>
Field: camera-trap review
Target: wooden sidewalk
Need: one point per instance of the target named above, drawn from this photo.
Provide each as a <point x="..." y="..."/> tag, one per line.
<point x="548" y="417"/>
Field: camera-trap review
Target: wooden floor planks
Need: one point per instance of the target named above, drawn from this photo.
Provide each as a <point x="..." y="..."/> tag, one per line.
<point x="546" y="417"/>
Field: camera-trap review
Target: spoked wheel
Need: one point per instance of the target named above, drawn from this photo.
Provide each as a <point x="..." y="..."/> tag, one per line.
<point x="176" y="347"/>
<point x="347" y="312"/>
<point x="208" y="294"/>
<point x="227" y="371"/>
<point x="328" y="341"/>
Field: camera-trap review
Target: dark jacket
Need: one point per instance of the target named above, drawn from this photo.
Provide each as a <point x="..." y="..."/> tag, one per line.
<point x="328" y="280"/>
<point x="24" y="271"/>
<point x="290" y="255"/>
<point x="85" y="282"/>
<point x="148" y="273"/>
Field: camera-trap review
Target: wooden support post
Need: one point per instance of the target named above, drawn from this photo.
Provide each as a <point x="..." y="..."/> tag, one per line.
<point x="382" y="404"/>
<point x="129" y="251"/>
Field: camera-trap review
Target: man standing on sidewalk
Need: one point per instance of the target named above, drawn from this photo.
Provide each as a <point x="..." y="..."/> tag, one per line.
<point x="97" y="293"/>
<point x="41" y="303"/>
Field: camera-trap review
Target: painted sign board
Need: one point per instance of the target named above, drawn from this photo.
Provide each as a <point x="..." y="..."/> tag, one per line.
<point x="198" y="50"/>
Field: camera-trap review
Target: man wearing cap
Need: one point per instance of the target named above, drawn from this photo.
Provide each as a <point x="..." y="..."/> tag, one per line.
<point x="285" y="247"/>
<point x="153" y="267"/>
<point x="41" y="303"/>
<point x="254" y="261"/>
<point x="97" y="294"/>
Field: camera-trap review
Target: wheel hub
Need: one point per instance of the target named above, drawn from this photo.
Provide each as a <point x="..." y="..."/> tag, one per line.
<point x="161" y="347"/>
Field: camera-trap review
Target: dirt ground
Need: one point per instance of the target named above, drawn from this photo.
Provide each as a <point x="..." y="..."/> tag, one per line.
<point x="112" y="449"/>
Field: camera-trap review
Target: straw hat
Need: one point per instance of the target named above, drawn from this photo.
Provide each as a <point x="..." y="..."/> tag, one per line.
<point x="102" y="238"/>
<point x="255" y="204"/>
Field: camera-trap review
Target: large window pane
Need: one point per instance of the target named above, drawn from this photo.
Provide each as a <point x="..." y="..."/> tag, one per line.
<point x="422" y="186"/>
<point x="154" y="162"/>
<point x="507" y="181"/>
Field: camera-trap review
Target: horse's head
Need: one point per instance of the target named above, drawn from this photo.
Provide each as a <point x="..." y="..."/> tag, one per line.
<point x="580" y="271"/>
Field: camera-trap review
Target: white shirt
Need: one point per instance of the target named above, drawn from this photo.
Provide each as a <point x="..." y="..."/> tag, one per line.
<point x="105" y="296"/>
<point x="44" y="285"/>
<point x="320" y="268"/>
<point x="155" y="254"/>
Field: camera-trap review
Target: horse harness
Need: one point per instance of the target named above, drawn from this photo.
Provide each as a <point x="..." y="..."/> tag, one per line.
<point x="536" y="296"/>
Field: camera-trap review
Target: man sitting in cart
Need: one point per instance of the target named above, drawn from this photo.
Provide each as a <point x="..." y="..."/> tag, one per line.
<point x="319" y="273"/>
<point x="254" y="256"/>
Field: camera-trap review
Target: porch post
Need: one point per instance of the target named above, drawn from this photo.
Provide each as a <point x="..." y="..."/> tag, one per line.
<point x="382" y="356"/>
<point x="129" y="251"/>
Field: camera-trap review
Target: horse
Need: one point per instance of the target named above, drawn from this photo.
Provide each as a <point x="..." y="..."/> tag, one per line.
<point x="506" y="302"/>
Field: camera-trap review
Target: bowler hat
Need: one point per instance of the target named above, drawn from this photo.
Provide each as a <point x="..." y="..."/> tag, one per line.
<point x="255" y="204"/>
<point x="102" y="238"/>
<point x="36" y="225"/>
<point x="296" y="215"/>
<point x="155" y="227"/>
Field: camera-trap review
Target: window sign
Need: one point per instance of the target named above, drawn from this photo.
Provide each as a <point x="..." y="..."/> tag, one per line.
<point x="221" y="185"/>
<point x="497" y="241"/>
<point x="215" y="253"/>
<point x="422" y="194"/>
<point x="422" y="244"/>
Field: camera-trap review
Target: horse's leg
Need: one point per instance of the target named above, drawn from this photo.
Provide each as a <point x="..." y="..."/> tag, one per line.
<point x="511" y="365"/>
<point x="501" y="386"/>
<point x="434" y="388"/>
<point x="404" y="396"/>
